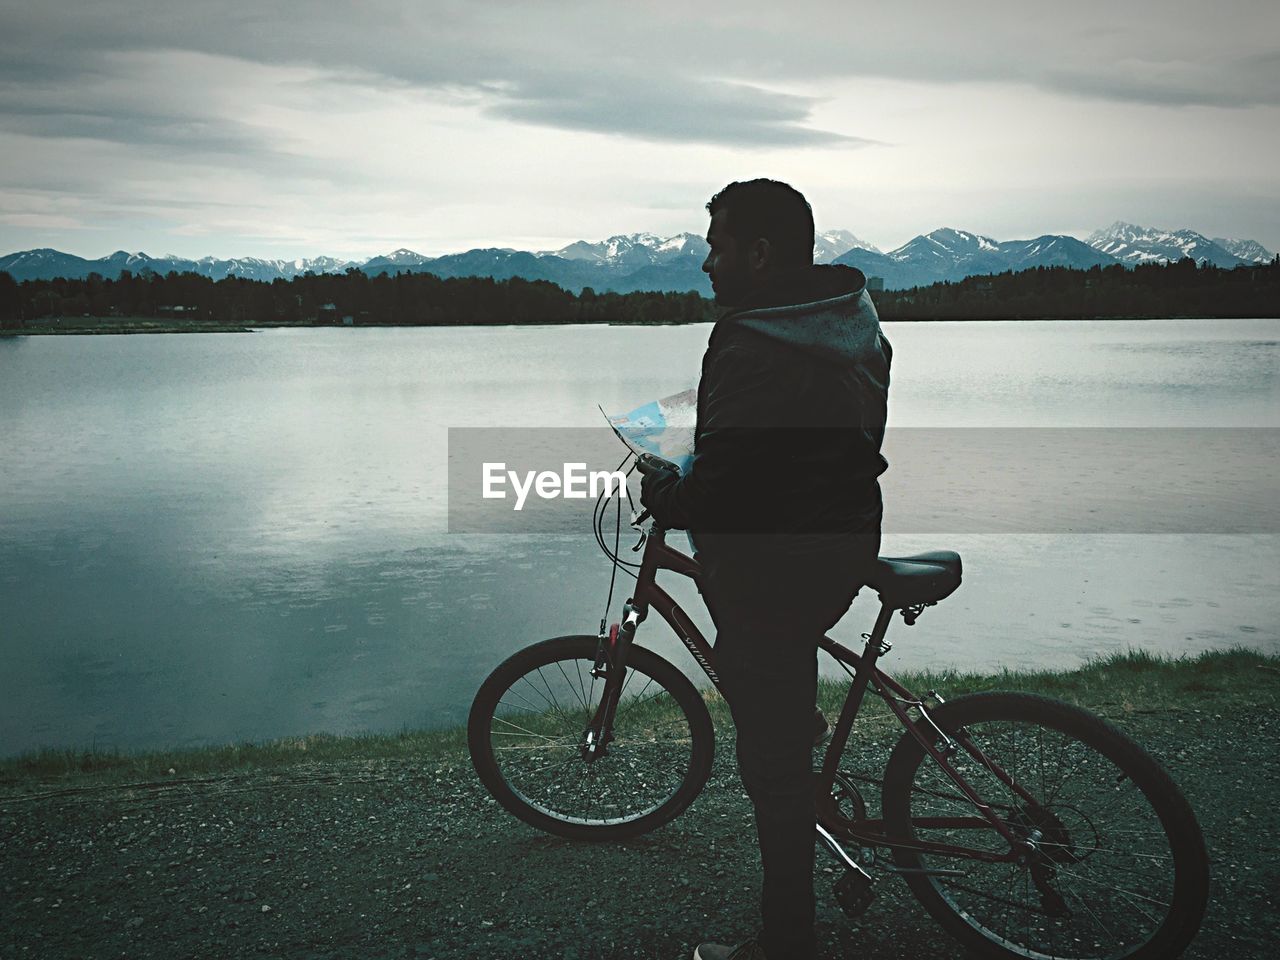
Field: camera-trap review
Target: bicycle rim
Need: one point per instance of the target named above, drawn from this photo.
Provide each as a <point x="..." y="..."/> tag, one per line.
<point x="542" y="709"/>
<point x="1118" y="869"/>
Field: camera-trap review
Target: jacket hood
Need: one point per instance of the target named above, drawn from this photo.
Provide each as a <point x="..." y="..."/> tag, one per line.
<point x="824" y="310"/>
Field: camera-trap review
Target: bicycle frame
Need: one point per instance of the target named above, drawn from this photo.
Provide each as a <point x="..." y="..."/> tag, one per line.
<point x="658" y="555"/>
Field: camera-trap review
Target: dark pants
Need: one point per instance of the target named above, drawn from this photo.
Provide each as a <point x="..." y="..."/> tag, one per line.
<point x="770" y="610"/>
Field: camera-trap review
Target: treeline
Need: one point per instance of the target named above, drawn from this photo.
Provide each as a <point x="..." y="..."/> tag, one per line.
<point x="1179" y="289"/>
<point x="406" y="298"/>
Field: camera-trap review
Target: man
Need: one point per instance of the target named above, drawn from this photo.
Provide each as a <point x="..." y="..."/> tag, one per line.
<point x="783" y="506"/>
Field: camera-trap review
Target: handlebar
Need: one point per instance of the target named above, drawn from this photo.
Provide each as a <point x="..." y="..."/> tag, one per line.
<point x="647" y="462"/>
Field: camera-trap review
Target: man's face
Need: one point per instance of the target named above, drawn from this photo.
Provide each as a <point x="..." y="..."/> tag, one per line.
<point x="726" y="263"/>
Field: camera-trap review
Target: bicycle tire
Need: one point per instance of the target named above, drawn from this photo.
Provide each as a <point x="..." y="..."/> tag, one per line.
<point x="1119" y="846"/>
<point x="525" y="733"/>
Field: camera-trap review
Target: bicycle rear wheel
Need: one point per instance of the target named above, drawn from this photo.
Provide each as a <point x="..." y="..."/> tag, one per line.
<point x="1119" y="867"/>
<point x="527" y="729"/>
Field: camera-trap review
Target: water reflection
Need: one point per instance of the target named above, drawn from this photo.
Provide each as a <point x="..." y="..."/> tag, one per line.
<point x="213" y="538"/>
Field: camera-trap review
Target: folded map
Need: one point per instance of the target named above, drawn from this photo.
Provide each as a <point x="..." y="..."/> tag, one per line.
<point x="663" y="427"/>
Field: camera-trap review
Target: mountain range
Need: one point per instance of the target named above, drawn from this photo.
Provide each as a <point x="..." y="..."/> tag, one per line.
<point x="643" y="261"/>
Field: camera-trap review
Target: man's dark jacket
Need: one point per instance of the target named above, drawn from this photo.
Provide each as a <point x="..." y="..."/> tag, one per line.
<point x="791" y="415"/>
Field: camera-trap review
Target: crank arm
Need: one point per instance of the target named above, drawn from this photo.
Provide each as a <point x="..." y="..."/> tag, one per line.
<point x="837" y="851"/>
<point x="846" y="861"/>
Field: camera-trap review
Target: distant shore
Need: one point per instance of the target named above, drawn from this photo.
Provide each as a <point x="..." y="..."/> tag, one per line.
<point x="99" y="326"/>
<point x="189" y="302"/>
<point x="90" y="326"/>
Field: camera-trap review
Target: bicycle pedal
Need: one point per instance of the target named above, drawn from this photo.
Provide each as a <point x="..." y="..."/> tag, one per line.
<point x="854" y="894"/>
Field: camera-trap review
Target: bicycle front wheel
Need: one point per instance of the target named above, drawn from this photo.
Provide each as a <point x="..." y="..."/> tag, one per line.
<point x="527" y="734"/>
<point x="1112" y="861"/>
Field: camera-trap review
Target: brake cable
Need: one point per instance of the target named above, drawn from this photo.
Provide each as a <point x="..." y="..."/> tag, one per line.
<point x="597" y="526"/>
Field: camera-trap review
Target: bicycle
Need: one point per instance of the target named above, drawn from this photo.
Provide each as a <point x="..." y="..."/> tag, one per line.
<point x="1026" y="827"/>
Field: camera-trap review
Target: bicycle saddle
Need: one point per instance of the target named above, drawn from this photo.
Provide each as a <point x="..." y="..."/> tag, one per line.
<point x="922" y="578"/>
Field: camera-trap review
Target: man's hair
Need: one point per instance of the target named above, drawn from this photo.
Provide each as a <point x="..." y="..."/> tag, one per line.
<point x="771" y="209"/>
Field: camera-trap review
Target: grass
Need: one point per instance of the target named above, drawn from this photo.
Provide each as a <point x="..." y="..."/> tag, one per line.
<point x="315" y="749"/>
<point x="1132" y="683"/>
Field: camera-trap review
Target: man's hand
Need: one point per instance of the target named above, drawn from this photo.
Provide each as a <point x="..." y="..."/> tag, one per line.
<point x="655" y="474"/>
<point x="648" y="463"/>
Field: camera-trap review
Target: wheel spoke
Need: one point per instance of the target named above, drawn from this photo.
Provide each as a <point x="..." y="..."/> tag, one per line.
<point x="538" y="731"/>
<point x="523" y="731"/>
<point x="1095" y="875"/>
<point x="569" y="683"/>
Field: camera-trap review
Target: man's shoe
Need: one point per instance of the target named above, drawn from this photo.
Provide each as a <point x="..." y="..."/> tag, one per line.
<point x="715" y="951"/>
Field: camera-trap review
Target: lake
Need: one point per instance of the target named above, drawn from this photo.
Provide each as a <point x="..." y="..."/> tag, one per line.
<point x="222" y="537"/>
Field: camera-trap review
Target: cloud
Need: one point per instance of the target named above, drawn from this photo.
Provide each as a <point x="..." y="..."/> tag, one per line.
<point x="41" y="221"/>
<point x="423" y="121"/>
<point x="711" y="74"/>
<point x="143" y="100"/>
<point x="122" y="114"/>
<point x="126" y="125"/>
<point x="1158" y="52"/>
<point x="1244" y="82"/>
<point x="513" y="63"/>
<point x="669" y="109"/>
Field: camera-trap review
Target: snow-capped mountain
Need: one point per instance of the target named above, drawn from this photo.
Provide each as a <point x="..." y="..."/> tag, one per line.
<point x="247" y="268"/>
<point x="834" y="243"/>
<point x="633" y="250"/>
<point x="1132" y="244"/>
<point x="504" y="264"/>
<point x="644" y="249"/>
<point x="1051" y="250"/>
<point x="251" y="268"/>
<point x="950" y="254"/>
<point x="1250" y="250"/>
<point x="320" y="265"/>
<point x="124" y="260"/>
<point x="945" y="249"/>
<point x="393" y="262"/>
<point x="944" y="254"/>
<point x="644" y="261"/>
<point x="44" y="264"/>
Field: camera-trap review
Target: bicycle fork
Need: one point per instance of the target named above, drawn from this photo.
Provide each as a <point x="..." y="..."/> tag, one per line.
<point x="611" y="659"/>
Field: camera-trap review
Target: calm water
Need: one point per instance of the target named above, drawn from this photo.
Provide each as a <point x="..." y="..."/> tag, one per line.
<point x="220" y="537"/>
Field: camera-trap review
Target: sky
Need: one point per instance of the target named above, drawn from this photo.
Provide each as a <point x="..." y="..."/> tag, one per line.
<point x="291" y="129"/>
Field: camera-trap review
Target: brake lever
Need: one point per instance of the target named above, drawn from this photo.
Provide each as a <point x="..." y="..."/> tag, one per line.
<point x="652" y="462"/>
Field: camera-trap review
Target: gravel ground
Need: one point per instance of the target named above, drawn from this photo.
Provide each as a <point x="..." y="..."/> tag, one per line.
<point x="393" y="859"/>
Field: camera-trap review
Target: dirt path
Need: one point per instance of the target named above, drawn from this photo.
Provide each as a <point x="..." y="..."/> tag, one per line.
<point x="392" y="859"/>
